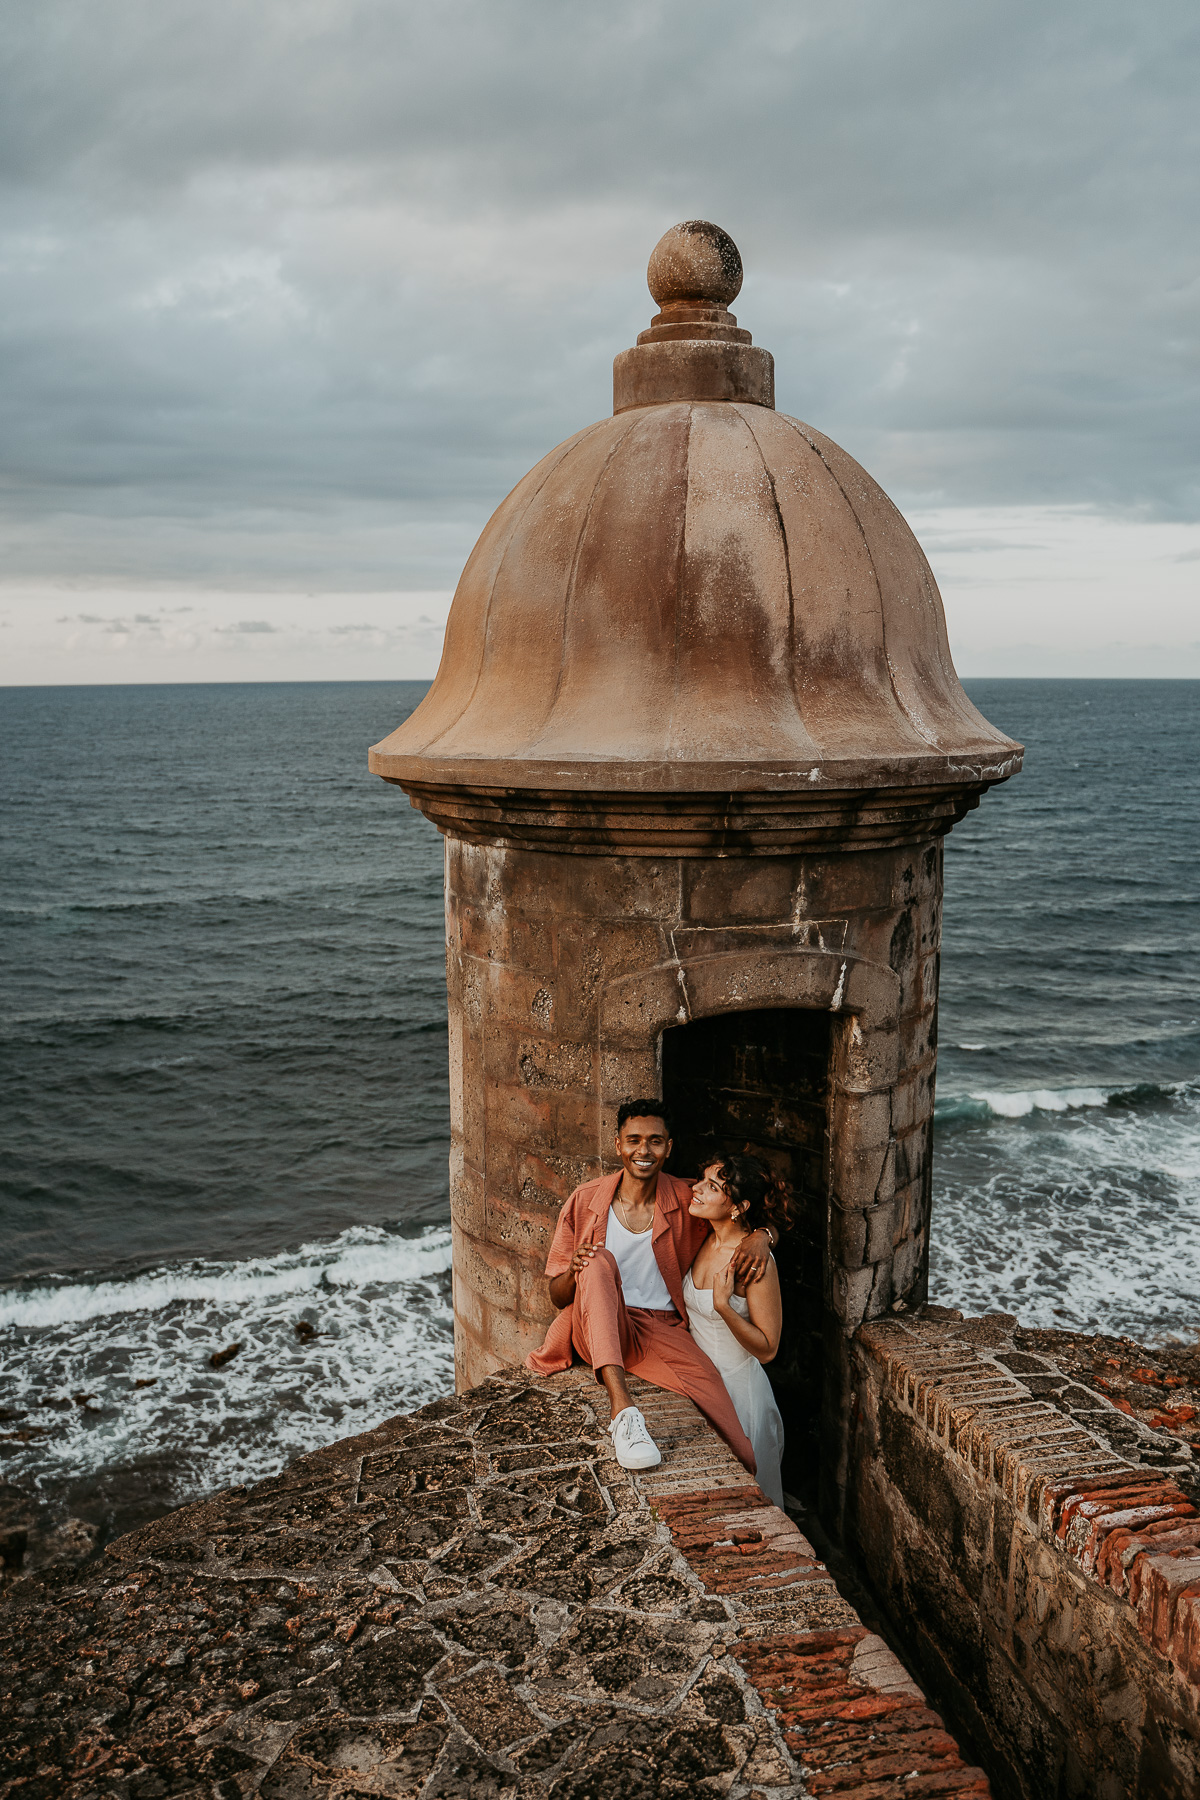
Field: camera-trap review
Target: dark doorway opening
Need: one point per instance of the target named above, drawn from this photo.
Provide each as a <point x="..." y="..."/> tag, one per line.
<point x="759" y="1081"/>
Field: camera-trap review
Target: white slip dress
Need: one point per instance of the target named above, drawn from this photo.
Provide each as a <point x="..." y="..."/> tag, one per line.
<point x="746" y="1380"/>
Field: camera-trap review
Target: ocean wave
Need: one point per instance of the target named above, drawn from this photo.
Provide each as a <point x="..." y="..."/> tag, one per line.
<point x="1090" y="1218"/>
<point x="113" y="1380"/>
<point x="1020" y="1103"/>
<point x="362" y="1256"/>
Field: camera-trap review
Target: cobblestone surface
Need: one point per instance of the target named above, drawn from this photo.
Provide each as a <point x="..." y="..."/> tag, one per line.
<point x="471" y="1600"/>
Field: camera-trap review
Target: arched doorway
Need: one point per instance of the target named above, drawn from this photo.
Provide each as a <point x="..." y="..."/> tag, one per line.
<point x="760" y="1080"/>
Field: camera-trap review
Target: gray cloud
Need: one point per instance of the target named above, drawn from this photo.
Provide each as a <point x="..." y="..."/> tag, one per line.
<point x="295" y="292"/>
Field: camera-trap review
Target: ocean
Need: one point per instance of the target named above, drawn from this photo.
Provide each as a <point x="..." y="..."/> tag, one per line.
<point x="223" y="1065"/>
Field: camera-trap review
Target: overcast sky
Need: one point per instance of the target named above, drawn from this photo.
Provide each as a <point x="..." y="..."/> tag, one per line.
<point x="292" y="292"/>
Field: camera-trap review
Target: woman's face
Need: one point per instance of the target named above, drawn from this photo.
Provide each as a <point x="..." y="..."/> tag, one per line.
<point x="710" y="1198"/>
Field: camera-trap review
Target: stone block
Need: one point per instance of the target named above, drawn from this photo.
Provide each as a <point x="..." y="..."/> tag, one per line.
<point x="490" y="1269"/>
<point x="468" y="1304"/>
<point x="871" y="990"/>
<point x="454" y="1059"/>
<point x="536" y="885"/>
<point x="634" y="1011"/>
<point x="626" y="1074"/>
<point x="851" y="1294"/>
<point x="519" y="1113"/>
<point x="912" y="1102"/>
<point x="862" y="882"/>
<point x="859" y="1122"/>
<point x="691" y="943"/>
<point x="725" y="889"/>
<point x="589" y="952"/>
<point x="847" y="1236"/>
<point x="549" y="1176"/>
<point x="523" y="1228"/>
<point x="880" y="1298"/>
<point x="553" y="1064"/>
<point x="919" y="872"/>
<point x="881" y="1231"/>
<point x="469" y="994"/>
<point x="913" y="1156"/>
<point x="469" y="1094"/>
<point x="870" y="1060"/>
<point x="468" y="871"/>
<point x="479" y="934"/>
<point x="909" y="1260"/>
<point x="520" y="996"/>
<point x="573" y="1122"/>
<point x="908" y="1211"/>
<point x="468" y="1205"/>
<point x="534" y="1302"/>
<point x="862" y="1178"/>
<point x="918" y="1039"/>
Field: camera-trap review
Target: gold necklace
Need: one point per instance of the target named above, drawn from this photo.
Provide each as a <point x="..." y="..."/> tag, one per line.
<point x="629" y="1227"/>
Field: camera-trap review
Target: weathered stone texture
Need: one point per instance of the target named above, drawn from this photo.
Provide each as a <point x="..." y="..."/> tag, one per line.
<point x="473" y="1600"/>
<point x="1038" y="1550"/>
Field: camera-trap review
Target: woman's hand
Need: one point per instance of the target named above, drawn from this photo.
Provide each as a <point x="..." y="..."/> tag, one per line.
<point x="752" y="1258"/>
<point x="724" y="1281"/>
<point x="582" y="1258"/>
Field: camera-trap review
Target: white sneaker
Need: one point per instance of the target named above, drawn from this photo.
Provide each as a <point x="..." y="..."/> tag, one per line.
<point x="634" y="1446"/>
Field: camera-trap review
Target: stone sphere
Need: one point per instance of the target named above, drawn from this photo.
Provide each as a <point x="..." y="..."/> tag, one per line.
<point x="695" y="261"/>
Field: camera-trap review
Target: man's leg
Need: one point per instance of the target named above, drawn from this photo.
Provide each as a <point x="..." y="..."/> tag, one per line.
<point x="606" y="1335"/>
<point x="666" y="1353"/>
<point x="601" y="1328"/>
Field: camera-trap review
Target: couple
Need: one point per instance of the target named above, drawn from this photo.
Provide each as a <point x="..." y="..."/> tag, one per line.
<point x="639" y="1257"/>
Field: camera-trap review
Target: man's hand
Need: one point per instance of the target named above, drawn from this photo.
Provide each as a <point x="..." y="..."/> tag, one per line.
<point x="562" y="1287"/>
<point x="751" y="1257"/>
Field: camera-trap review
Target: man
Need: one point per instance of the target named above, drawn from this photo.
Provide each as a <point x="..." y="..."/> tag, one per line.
<point x="616" y="1267"/>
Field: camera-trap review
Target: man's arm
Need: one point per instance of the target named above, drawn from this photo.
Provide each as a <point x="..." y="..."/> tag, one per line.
<point x="565" y="1261"/>
<point x="562" y="1287"/>
<point x="752" y="1258"/>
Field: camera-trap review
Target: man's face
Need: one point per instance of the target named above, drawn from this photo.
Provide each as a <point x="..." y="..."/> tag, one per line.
<point x="643" y="1147"/>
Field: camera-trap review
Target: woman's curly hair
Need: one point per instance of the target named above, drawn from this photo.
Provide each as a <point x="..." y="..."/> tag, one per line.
<point x="762" y="1197"/>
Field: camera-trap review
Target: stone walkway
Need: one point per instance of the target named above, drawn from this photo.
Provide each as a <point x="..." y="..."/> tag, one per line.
<point x="471" y="1600"/>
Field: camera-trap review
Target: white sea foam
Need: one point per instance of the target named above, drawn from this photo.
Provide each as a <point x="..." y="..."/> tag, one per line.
<point x="360" y="1255"/>
<point x="115" y="1376"/>
<point x="1089" y="1217"/>
<point x="1018" y="1105"/>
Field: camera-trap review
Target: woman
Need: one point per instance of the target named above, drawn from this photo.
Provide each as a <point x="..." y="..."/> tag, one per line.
<point x="737" y="1326"/>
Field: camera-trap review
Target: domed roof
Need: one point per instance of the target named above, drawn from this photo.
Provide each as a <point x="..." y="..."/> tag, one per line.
<point x="697" y="594"/>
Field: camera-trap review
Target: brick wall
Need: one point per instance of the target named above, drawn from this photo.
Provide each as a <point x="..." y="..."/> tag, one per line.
<point x="1039" y="1557"/>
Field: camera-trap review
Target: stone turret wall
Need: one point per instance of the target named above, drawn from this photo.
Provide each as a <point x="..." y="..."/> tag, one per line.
<point x="564" y="971"/>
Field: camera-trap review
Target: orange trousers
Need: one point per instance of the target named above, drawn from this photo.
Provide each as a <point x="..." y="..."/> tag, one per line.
<point x="655" y="1345"/>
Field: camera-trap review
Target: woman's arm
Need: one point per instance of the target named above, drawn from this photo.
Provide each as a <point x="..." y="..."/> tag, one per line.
<point x="759" y="1334"/>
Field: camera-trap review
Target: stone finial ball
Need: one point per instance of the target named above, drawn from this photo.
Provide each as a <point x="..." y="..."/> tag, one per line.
<point x="695" y="261"/>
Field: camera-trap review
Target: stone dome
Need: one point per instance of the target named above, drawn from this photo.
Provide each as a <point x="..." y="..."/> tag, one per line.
<point x="697" y="595"/>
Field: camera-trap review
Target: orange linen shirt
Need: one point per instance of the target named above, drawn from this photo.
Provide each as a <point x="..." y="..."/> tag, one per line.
<point x="676" y="1237"/>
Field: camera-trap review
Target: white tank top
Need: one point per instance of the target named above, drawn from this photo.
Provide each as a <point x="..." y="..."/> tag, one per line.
<point x="641" y="1278"/>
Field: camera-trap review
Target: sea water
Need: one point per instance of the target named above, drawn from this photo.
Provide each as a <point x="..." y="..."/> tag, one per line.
<point x="223" y="1065"/>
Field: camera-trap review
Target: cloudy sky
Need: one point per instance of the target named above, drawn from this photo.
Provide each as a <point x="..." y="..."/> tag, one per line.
<point x="292" y="293"/>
